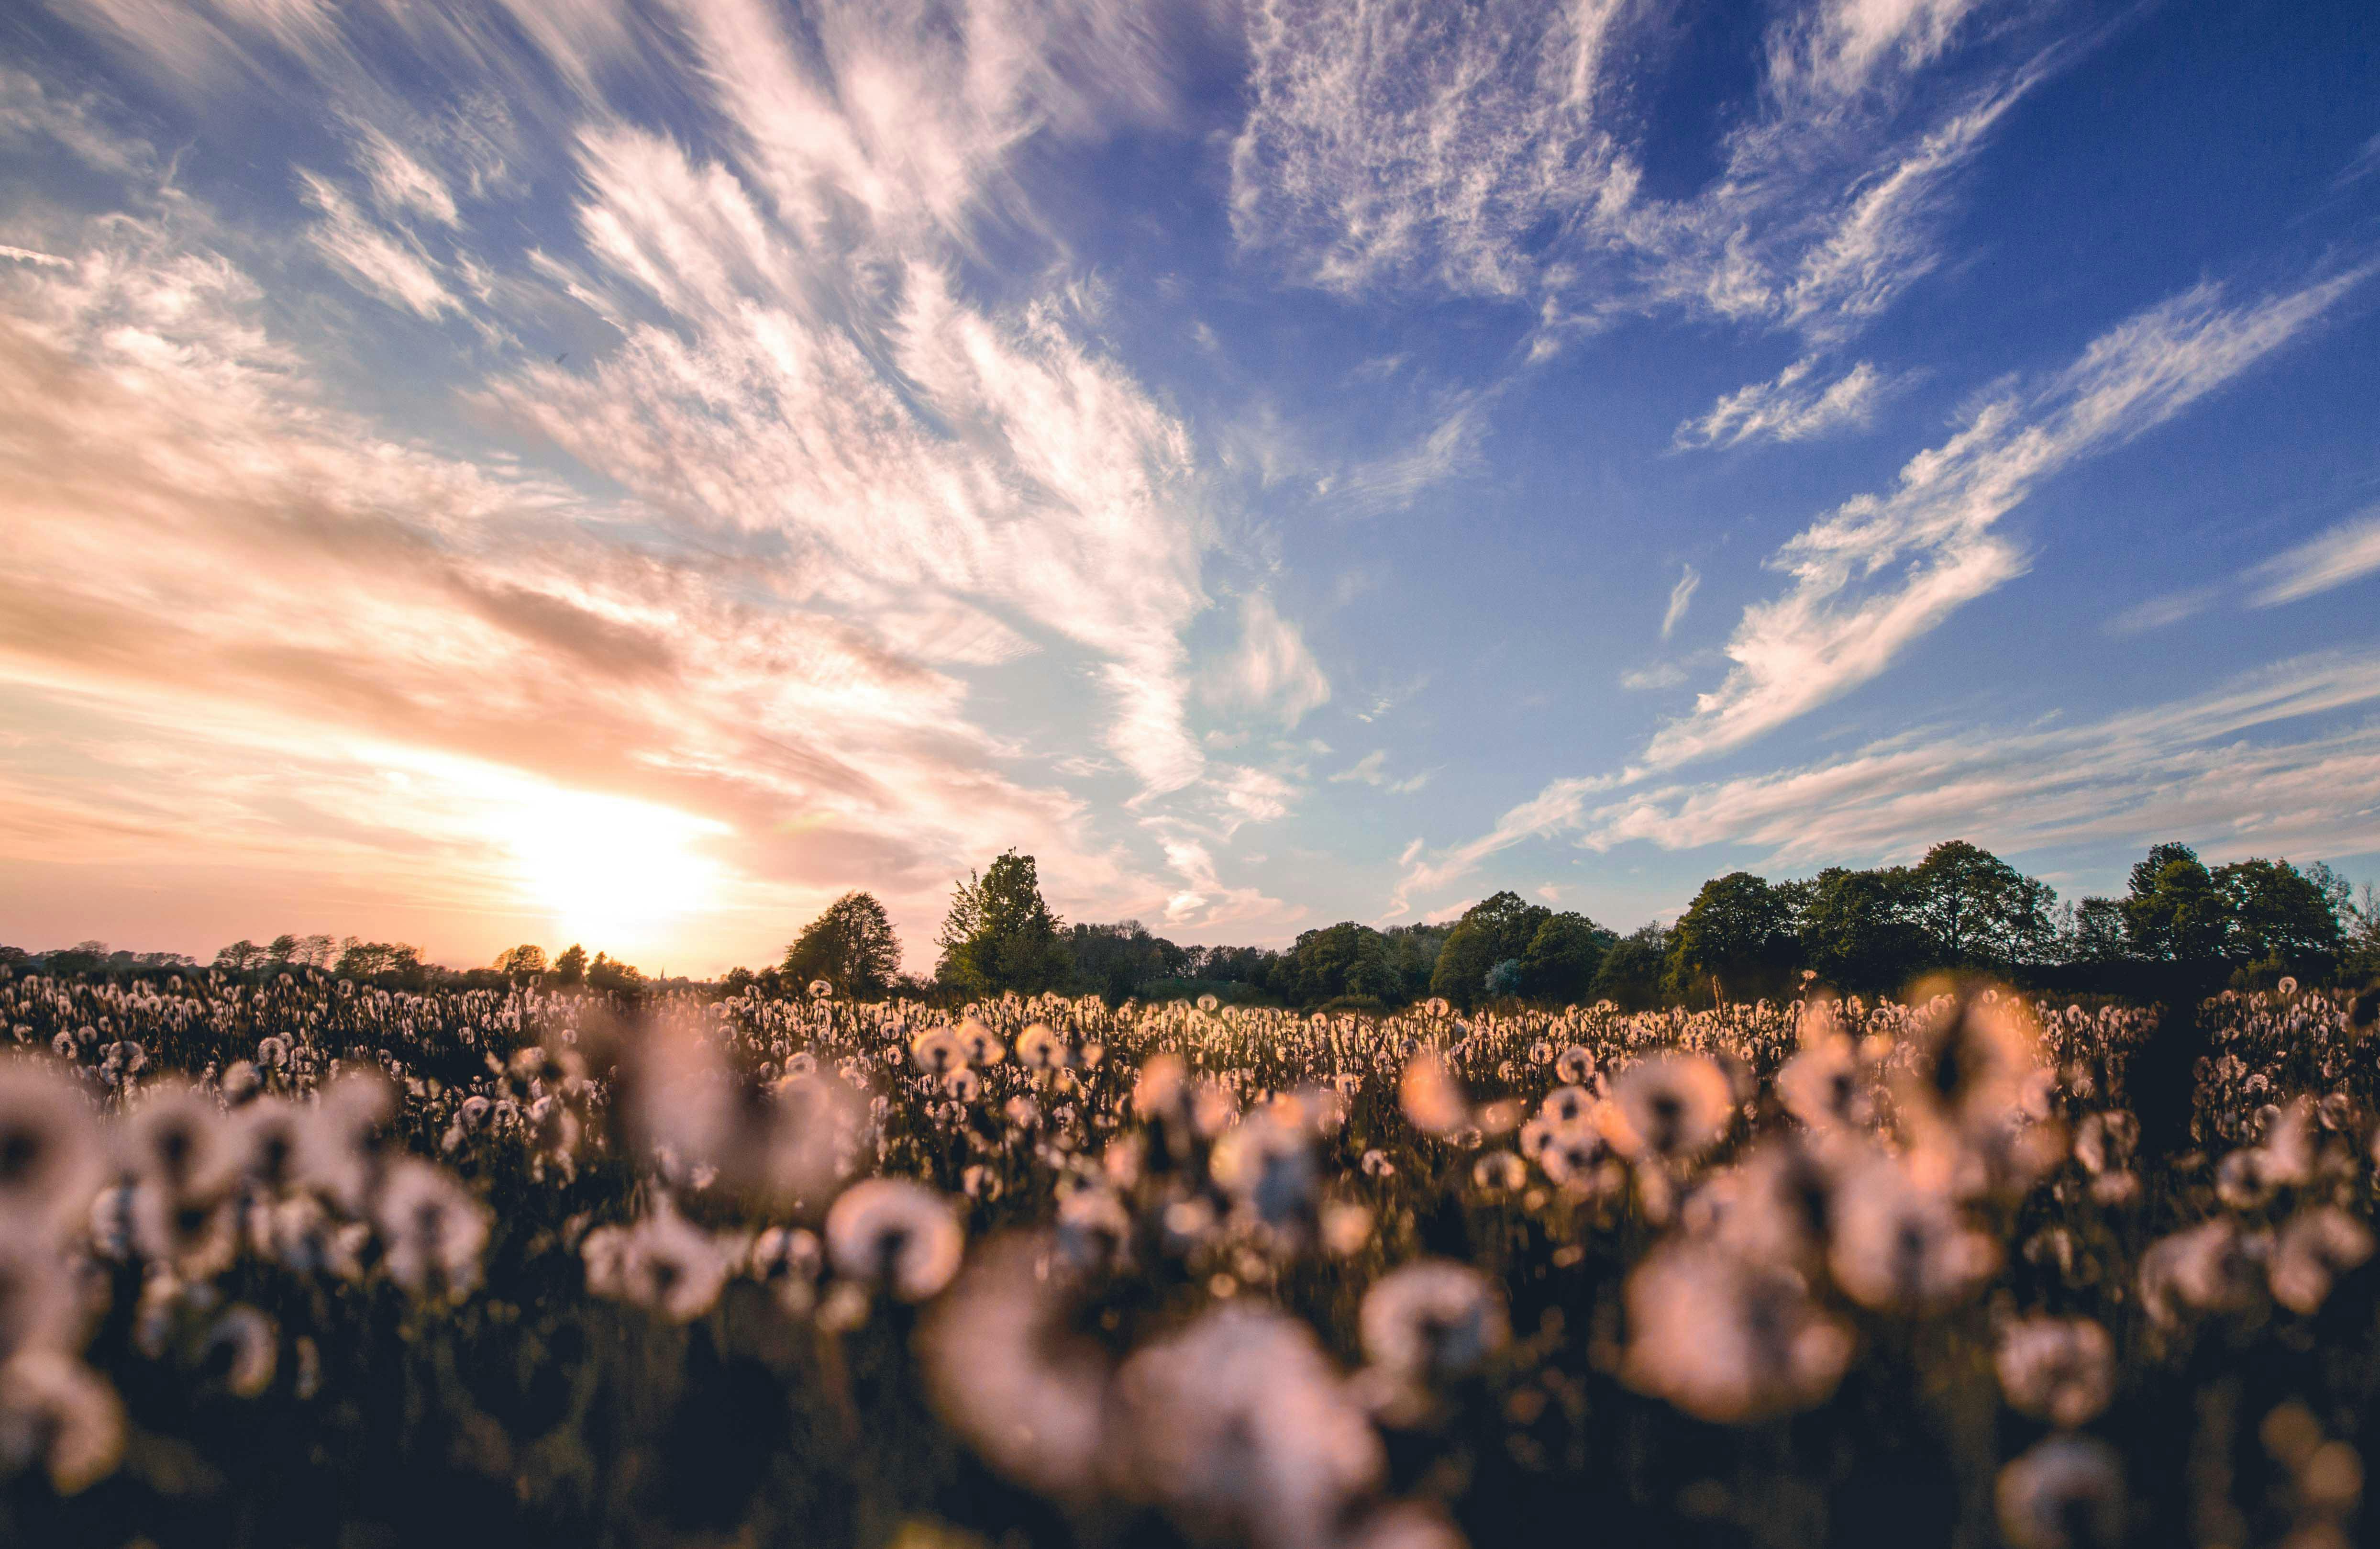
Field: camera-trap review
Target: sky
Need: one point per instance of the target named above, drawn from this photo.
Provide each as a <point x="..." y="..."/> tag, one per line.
<point x="578" y="470"/>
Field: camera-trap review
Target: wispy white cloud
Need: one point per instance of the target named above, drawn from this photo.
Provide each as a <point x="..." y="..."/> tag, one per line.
<point x="1372" y="770"/>
<point x="1681" y="596"/>
<point x="1479" y="150"/>
<point x="1272" y="673"/>
<point x="2158" y="613"/>
<point x="1393" y="483"/>
<point x="1935" y="529"/>
<point x="1660" y="675"/>
<point x="394" y="269"/>
<point x="401" y="185"/>
<point x="2347" y="552"/>
<point x="1793" y="407"/>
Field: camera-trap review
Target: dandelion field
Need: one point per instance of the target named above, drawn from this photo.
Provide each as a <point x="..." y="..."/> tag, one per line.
<point x="304" y="1261"/>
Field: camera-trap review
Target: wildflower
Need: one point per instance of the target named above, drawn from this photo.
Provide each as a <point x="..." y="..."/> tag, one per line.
<point x="250" y="1349"/>
<point x="820" y="990"/>
<point x="1094" y="1229"/>
<point x="1726" y="1341"/>
<point x="2060" y="1370"/>
<point x="1431" y="1320"/>
<point x="896" y="1232"/>
<point x="1500" y="1172"/>
<point x="978" y="1043"/>
<point x="2315" y="1247"/>
<point x="60" y="1413"/>
<point x="667" y="1263"/>
<point x="1820" y="1086"/>
<point x="39" y="1305"/>
<point x="266" y="1140"/>
<point x="2209" y="1267"/>
<point x="1002" y="1370"/>
<point x="1039" y="1047"/>
<point x="1975" y="1057"/>
<point x="1268" y="1165"/>
<point x="431" y="1229"/>
<point x="337" y="1155"/>
<point x="49" y="1155"/>
<point x="1430" y="1097"/>
<point x="1779" y="1207"/>
<point x="1237" y="1426"/>
<point x="1568" y="1109"/>
<point x="1671" y="1107"/>
<point x="938" y="1051"/>
<point x="2067" y="1492"/>
<point x="197" y="1236"/>
<point x="1899" y="1244"/>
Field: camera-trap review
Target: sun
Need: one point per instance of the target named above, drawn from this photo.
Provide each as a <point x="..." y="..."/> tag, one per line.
<point x="612" y="869"/>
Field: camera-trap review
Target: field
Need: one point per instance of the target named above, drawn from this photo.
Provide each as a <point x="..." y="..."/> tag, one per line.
<point x="306" y="1262"/>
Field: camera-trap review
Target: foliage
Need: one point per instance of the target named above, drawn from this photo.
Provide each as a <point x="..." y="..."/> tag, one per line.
<point x="851" y="944"/>
<point x="998" y="934"/>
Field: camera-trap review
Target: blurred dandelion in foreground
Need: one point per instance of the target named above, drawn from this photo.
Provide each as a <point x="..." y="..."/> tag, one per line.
<point x="1671" y="1109"/>
<point x="49" y="1155"/>
<point x="1431" y="1098"/>
<point x="2067" y="1492"/>
<point x="1432" y="1321"/>
<point x="58" y="1414"/>
<point x="432" y="1230"/>
<point x="1728" y="1341"/>
<point x="1004" y="1371"/>
<point x="896" y="1232"/>
<point x="1238" y="1426"/>
<point x="1900" y="1245"/>
<point x="2060" y="1370"/>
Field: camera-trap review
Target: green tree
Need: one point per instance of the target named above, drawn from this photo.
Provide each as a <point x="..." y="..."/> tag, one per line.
<point x="851" y="945"/>
<point x="571" y="967"/>
<point x="1560" y="961"/>
<point x="1734" y="941"/>
<point x="2174" y="913"/>
<point x="1000" y="935"/>
<point x="1118" y="961"/>
<point x="1632" y="972"/>
<point x="1496" y="929"/>
<point x="2278" y="917"/>
<point x="2096" y="933"/>
<point x="1855" y="931"/>
<point x="1976" y="910"/>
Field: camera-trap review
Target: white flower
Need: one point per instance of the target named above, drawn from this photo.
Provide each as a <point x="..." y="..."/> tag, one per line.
<point x="897" y="1232"/>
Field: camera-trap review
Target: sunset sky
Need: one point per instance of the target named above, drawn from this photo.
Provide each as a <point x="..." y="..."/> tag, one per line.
<point x="562" y="469"/>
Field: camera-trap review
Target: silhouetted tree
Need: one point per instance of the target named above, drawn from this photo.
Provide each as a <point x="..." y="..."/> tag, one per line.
<point x="851" y="945"/>
<point x="2279" y="918"/>
<point x="1633" y="972"/>
<point x="571" y="967"/>
<point x="516" y="962"/>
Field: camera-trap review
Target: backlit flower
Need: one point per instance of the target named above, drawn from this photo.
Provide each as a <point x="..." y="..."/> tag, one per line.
<point x="894" y="1232"/>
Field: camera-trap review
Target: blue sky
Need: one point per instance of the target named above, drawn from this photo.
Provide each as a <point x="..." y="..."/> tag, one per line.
<point x="628" y="472"/>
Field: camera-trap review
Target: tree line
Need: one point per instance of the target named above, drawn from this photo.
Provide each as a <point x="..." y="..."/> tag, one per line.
<point x="1743" y="937"/>
<point x="1868" y="932"/>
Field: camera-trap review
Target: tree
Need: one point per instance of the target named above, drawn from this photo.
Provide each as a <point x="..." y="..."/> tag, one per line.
<point x="2279" y="918"/>
<point x="1000" y="935"/>
<point x="851" y="945"/>
<point x="372" y="959"/>
<point x="1560" y="963"/>
<point x="519" y="961"/>
<point x="2096" y="933"/>
<point x="1735" y="939"/>
<point x="613" y="978"/>
<point x="1498" y="928"/>
<point x="1633" y="970"/>
<point x="1854" y="930"/>
<point x="2174" y="913"/>
<point x="240" y="955"/>
<point x="571" y="967"/>
<point x="1977" y="909"/>
<point x="1119" y="960"/>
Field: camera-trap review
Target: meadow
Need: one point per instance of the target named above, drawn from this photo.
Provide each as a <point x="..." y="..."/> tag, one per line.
<point x="305" y="1262"/>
